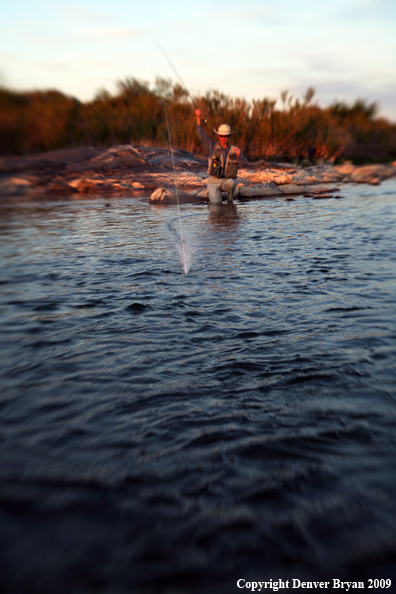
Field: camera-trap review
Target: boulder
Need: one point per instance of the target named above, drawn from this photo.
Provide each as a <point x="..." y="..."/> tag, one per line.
<point x="309" y="190"/>
<point x="85" y="184"/>
<point x="273" y="176"/>
<point x="203" y="194"/>
<point x="121" y="156"/>
<point x="14" y="185"/>
<point x="346" y="169"/>
<point x="367" y="174"/>
<point x="166" y="196"/>
<point x="295" y="189"/>
<point x="321" y="174"/>
<point x="258" y="190"/>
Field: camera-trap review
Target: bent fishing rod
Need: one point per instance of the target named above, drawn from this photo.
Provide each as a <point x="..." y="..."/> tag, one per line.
<point x="180" y="80"/>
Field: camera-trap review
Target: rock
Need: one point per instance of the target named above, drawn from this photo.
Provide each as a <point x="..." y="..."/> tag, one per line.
<point x="293" y="189"/>
<point x="160" y="195"/>
<point x="20" y="181"/>
<point x="121" y="156"/>
<point x="165" y="196"/>
<point x="85" y="184"/>
<point x="385" y="171"/>
<point x="201" y="194"/>
<point x="58" y="186"/>
<point x="270" y="176"/>
<point x="185" y="178"/>
<point x="322" y="173"/>
<point x="366" y="174"/>
<point x="257" y="190"/>
<point x="346" y="169"/>
<point x="127" y="168"/>
<point x="307" y="190"/>
<point x="11" y="186"/>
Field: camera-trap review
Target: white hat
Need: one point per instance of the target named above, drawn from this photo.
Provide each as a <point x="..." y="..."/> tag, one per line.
<point x="224" y="130"/>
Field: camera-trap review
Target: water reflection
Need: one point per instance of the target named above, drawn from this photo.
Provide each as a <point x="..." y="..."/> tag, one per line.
<point x="223" y="217"/>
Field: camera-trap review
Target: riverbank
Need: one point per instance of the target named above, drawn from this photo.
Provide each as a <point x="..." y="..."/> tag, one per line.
<point x="148" y="171"/>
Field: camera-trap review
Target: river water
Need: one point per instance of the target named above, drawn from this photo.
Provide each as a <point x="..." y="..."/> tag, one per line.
<point x="170" y="432"/>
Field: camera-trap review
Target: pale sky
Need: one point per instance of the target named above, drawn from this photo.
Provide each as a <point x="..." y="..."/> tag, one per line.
<point x="345" y="49"/>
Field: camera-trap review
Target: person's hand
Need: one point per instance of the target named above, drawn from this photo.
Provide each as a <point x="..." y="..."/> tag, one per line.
<point x="238" y="151"/>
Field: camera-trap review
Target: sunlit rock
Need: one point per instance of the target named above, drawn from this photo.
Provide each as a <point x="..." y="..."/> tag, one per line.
<point x="14" y="186"/>
<point x="311" y="190"/>
<point x="160" y="195"/>
<point x="366" y="174"/>
<point x="203" y="194"/>
<point x="185" y="178"/>
<point x="318" y="174"/>
<point x="346" y="169"/>
<point x="166" y="196"/>
<point x="85" y="184"/>
<point x="267" y="176"/>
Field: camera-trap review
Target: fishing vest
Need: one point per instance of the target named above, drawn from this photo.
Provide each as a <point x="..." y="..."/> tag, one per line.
<point x="217" y="167"/>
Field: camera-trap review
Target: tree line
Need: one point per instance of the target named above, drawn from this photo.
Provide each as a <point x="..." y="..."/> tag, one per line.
<point x="290" y="129"/>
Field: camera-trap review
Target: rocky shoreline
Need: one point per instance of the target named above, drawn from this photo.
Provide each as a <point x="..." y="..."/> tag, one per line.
<point x="148" y="172"/>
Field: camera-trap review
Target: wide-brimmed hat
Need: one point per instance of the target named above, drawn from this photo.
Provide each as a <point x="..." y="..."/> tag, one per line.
<point x="224" y="130"/>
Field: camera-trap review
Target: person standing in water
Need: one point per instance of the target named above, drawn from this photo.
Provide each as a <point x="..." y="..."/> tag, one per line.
<point x="224" y="160"/>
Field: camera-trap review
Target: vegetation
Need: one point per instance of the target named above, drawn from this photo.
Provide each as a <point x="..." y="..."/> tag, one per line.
<point x="290" y="129"/>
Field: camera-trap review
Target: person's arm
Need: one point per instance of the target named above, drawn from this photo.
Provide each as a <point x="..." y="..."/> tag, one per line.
<point x="207" y="143"/>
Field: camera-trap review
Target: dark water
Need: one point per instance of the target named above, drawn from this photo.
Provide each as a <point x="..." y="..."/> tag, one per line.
<point x="163" y="432"/>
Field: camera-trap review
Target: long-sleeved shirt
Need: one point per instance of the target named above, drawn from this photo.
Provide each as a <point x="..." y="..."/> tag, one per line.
<point x="210" y="145"/>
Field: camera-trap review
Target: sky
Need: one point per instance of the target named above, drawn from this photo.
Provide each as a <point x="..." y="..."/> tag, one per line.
<point x="344" y="49"/>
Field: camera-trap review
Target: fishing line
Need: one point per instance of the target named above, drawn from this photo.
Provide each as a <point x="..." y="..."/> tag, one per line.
<point x="180" y="79"/>
<point x="185" y="268"/>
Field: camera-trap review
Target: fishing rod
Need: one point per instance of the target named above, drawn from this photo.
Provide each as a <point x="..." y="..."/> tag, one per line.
<point x="180" y="80"/>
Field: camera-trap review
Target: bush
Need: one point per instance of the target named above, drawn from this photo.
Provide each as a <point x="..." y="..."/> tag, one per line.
<point x="32" y="122"/>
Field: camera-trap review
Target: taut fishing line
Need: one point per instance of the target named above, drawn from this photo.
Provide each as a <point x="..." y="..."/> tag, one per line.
<point x="180" y="79"/>
<point x="186" y="262"/>
<point x="185" y="254"/>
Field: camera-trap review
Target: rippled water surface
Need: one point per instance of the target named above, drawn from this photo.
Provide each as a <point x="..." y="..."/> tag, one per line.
<point x="164" y="432"/>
